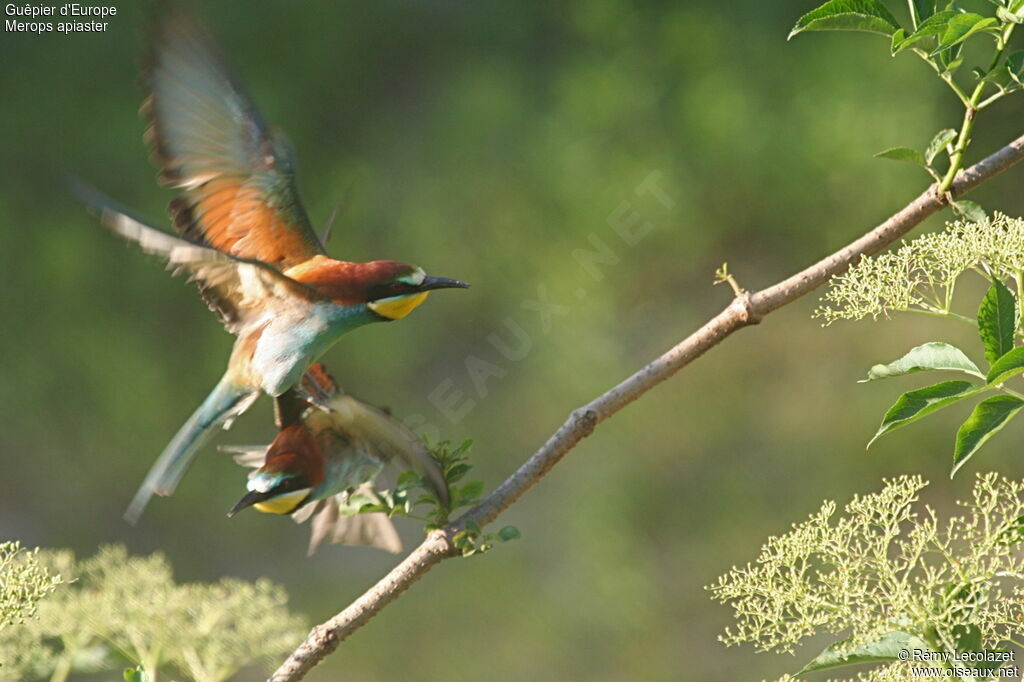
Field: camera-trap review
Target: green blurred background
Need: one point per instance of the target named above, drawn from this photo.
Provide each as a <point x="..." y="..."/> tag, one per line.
<point x="488" y="141"/>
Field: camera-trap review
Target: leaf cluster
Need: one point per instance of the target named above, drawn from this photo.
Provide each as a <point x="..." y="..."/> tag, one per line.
<point x="885" y="576"/>
<point x="454" y="465"/>
<point x="117" y="609"/>
<point x="471" y="540"/>
<point x="938" y="33"/>
<point x="412" y="490"/>
<point x="921" y="277"/>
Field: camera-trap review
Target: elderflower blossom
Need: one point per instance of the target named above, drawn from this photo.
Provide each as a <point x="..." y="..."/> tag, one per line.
<point x="23" y="582"/>
<point x="887" y="565"/>
<point x="119" y="608"/>
<point x="921" y="274"/>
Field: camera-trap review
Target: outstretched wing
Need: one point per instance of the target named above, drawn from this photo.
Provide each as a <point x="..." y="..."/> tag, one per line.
<point x="208" y="139"/>
<point x="368" y="428"/>
<point x="237" y="290"/>
<point x="379" y="435"/>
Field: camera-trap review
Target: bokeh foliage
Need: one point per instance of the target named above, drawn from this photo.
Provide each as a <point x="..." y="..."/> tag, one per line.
<point x="114" y="610"/>
<point x="489" y="141"/>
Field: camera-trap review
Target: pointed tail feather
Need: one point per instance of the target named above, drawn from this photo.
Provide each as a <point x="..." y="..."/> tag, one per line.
<point x="226" y="402"/>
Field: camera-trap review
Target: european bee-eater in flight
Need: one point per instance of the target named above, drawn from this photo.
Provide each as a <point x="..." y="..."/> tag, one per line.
<point x="247" y="241"/>
<point x="321" y="456"/>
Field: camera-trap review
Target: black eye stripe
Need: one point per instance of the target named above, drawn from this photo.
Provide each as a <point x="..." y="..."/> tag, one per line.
<point x="395" y="288"/>
<point x="290" y="484"/>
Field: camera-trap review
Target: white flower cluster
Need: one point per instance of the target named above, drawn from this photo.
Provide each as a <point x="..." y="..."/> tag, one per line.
<point x="921" y="274"/>
<point x="888" y="565"/>
<point x="118" y="610"/>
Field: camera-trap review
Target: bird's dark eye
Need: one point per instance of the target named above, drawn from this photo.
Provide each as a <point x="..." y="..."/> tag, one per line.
<point x="397" y="286"/>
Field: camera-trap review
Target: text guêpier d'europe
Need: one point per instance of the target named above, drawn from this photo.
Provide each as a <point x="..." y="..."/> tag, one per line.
<point x="71" y="10"/>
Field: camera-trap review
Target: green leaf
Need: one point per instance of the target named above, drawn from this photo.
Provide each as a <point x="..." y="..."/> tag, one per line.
<point x="360" y="501"/>
<point x="469" y="492"/>
<point x="509" y="533"/>
<point x="935" y="25"/>
<point x="921" y="10"/>
<point x="1009" y="365"/>
<point x="135" y="675"/>
<point x="970" y="210"/>
<point x="938" y="143"/>
<point x="989" y="416"/>
<point x="1015" y="65"/>
<point x="914" y="405"/>
<point x="963" y="26"/>
<point x="885" y="647"/>
<point x="848" y="15"/>
<point x="461" y="539"/>
<point x="950" y="59"/>
<point x="932" y="355"/>
<point x="457" y="472"/>
<point x="997" y="321"/>
<point x="902" y="154"/>
<point x="897" y="40"/>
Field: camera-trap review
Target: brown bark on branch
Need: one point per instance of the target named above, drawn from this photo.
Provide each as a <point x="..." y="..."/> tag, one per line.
<point x="747" y="308"/>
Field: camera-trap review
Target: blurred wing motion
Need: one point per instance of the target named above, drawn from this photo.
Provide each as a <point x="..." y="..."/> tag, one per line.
<point x="356" y="440"/>
<point x="238" y="179"/>
<point x="372" y="530"/>
<point x="380" y="436"/>
<point x="241" y="292"/>
<point x="369" y="429"/>
<point x="238" y="290"/>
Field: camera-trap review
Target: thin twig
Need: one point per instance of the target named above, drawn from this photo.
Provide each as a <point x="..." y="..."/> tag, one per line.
<point x="747" y="308"/>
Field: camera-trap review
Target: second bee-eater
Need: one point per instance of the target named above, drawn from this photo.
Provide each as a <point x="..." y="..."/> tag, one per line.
<point x="327" y="452"/>
<point x="247" y="241"/>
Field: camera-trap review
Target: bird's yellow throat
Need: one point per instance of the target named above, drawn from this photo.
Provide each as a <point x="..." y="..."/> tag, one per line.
<point x="397" y="307"/>
<point x="282" y="504"/>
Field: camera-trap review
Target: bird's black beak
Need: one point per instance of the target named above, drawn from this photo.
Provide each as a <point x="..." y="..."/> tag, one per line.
<point x="441" y="283"/>
<point x="251" y="498"/>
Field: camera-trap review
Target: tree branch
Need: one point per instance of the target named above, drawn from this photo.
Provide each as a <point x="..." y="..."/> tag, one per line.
<point x="746" y="309"/>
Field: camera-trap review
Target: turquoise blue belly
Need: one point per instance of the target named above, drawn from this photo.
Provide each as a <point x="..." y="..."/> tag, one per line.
<point x="292" y="342"/>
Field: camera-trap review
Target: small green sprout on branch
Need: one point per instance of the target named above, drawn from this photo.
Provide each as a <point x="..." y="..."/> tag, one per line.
<point x="888" y="576"/>
<point x="938" y="36"/>
<point x="412" y="491"/>
<point x="921" y="277"/>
